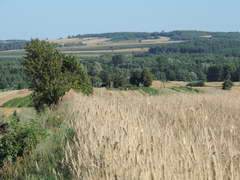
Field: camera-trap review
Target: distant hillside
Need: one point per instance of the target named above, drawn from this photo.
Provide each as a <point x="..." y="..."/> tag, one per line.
<point x="174" y="35"/>
<point x="119" y="36"/>
<point x="116" y="37"/>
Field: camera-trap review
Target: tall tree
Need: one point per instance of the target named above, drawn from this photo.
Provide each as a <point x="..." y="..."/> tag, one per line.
<point x="50" y="73"/>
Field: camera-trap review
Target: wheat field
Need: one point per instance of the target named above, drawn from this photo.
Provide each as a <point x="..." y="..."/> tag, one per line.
<point x="129" y="136"/>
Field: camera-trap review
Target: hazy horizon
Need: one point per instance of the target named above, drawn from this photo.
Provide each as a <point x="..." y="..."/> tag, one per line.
<point x="54" y="19"/>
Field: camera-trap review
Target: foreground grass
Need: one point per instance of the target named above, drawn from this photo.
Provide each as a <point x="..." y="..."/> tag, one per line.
<point x="178" y="136"/>
<point x="34" y="146"/>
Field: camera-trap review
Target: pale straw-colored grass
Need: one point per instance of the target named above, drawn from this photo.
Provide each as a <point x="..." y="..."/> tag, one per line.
<point x="127" y="136"/>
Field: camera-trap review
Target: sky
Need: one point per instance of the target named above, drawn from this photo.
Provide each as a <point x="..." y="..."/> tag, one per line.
<point x="26" y="19"/>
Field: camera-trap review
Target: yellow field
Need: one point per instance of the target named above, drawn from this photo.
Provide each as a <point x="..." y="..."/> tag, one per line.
<point x="125" y="135"/>
<point x="86" y="41"/>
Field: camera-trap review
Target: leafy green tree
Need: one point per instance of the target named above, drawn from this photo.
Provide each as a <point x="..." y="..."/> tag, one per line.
<point x="136" y="78"/>
<point x="51" y="74"/>
<point x="106" y="79"/>
<point x="119" y="79"/>
<point x="147" y="78"/>
<point x="76" y="76"/>
<point x="95" y="69"/>
<point x="117" y="60"/>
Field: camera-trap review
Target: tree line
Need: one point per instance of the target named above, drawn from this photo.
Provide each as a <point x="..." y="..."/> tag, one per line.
<point x="12" y="44"/>
<point x="219" y="46"/>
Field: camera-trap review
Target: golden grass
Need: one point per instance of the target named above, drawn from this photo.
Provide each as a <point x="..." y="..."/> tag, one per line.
<point x="130" y="136"/>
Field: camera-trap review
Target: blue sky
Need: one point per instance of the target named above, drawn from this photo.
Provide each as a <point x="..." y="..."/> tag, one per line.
<point x="25" y="19"/>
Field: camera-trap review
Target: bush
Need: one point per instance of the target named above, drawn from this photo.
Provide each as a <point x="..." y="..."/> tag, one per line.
<point x="227" y="85"/>
<point x="35" y="149"/>
<point x="19" y="139"/>
<point x="51" y="74"/>
<point x="196" y="84"/>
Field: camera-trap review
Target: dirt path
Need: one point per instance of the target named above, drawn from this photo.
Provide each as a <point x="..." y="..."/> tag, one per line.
<point x="8" y="95"/>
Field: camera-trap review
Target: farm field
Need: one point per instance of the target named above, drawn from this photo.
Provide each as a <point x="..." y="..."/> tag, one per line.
<point x="177" y="136"/>
<point x="174" y="135"/>
<point x="165" y="89"/>
<point x="89" y="46"/>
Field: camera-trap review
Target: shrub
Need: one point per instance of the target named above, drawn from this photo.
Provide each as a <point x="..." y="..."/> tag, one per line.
<point x="34" y="149"/>
<point x="227" y="85"/>
<point x="19" y="139"/>
<point x="196" y="84"/>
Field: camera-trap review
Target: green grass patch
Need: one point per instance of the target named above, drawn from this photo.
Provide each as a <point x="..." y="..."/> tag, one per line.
<point x="19" y="102"/>
<point x="163" y="91"/>
<point x="185" y="89"/>
<point x="148" y="90"/>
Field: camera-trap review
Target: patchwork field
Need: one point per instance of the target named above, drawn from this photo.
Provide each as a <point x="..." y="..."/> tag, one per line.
<point x="93" y="46"/>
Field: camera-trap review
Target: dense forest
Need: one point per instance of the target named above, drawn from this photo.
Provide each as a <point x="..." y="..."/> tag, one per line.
<point x="217" y="46"/>
<point x="166" y="67"/>
<point x="12" y="44"/>
<point x="12" y="76"/>
<point x="117" y="70"/>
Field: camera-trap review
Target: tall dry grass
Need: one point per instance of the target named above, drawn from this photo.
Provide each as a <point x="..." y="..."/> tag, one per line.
<point x="123" y="136"/>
